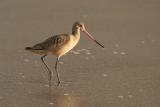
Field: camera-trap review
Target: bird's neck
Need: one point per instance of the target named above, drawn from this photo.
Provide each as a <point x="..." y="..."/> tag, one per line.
<point x="75" y="31"/>
<point x="75" y="34"/>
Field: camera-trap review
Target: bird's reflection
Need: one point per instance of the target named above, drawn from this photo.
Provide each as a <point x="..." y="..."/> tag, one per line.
<point x="62" y="98"/>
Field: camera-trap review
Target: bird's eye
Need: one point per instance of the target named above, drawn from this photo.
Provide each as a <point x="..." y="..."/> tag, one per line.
<point x="80" y="25"/>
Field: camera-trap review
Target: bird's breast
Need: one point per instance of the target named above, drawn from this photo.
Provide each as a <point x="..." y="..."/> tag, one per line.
<point x="66" y="47"/>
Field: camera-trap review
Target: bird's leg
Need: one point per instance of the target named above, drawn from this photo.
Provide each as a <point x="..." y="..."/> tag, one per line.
<point x="56" y="68"/>
<point x="49" y="71"/>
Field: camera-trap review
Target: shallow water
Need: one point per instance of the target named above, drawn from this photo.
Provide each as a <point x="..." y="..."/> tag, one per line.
<point x="124" y="74"/>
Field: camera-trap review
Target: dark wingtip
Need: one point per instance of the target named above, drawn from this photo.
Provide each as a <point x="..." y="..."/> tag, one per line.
<point x="28" y="48"/>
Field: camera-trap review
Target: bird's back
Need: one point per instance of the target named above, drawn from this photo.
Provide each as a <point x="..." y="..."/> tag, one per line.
<point x="50" y="45"/>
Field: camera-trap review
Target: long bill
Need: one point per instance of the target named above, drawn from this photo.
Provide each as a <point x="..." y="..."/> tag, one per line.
<point x="92" y="38"/>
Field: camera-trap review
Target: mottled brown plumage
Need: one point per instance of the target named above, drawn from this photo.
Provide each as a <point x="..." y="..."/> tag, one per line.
<point x="50" y="45"/>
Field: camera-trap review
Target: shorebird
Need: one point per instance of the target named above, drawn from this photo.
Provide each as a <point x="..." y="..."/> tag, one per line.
<point x="59" y="45"/>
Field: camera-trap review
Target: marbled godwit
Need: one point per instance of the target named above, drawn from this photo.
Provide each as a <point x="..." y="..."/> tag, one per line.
<point x="59" y="45"/>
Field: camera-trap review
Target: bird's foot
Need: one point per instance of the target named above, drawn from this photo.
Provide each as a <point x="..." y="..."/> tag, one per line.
<point x="49" y="83"/>
<point x="58" y="83"/>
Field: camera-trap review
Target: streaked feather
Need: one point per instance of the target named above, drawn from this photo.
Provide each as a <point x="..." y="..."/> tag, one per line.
<point x="52" y="42"/>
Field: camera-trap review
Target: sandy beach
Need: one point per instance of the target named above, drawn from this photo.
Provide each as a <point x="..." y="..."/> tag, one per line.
<point x="124" y="74"/>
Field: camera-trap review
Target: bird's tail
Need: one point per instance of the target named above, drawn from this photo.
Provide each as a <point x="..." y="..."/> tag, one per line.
<point x="28" y="48"/>
<point x="35" y="49"/>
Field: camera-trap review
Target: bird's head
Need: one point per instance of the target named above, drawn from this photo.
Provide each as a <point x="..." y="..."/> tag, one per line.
<point x="80" y="26"/>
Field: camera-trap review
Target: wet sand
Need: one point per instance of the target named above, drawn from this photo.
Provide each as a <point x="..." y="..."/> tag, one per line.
<point x="124" y="74"/>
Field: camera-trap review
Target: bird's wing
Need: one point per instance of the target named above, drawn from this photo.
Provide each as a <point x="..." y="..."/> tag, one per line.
<point x="52" y="42"/>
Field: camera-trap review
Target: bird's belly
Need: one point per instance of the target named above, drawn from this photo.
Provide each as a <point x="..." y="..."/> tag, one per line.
<point x="65" y="48"/>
